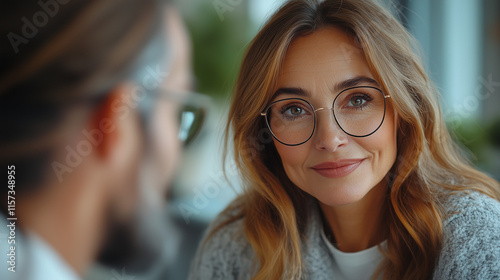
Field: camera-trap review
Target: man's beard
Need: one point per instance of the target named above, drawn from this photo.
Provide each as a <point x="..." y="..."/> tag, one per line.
<point x="142" y="242"/>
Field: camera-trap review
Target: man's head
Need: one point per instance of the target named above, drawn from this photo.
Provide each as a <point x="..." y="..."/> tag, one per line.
<point x="82" y="104"/>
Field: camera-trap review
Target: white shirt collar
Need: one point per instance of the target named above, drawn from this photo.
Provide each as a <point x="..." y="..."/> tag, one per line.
<point x="35" y="258"/>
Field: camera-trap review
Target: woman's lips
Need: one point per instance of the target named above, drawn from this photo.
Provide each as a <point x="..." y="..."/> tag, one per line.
<point x="338" y="168"/>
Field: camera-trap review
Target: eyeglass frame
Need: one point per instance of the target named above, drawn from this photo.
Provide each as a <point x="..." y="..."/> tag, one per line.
<point x="183" y="98"/>
<point x="264" y="114"/>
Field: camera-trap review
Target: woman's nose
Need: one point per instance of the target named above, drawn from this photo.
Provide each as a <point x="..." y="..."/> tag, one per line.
<point x="328" y="135"/>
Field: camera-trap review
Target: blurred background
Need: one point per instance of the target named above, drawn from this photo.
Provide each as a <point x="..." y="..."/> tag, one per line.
<point x="460" y="45"/>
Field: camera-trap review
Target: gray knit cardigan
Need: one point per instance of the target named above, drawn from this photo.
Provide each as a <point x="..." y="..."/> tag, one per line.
<point x="471" y="245"/>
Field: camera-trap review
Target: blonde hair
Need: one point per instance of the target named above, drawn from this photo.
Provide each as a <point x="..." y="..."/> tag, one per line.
<point x="428" y="169"/>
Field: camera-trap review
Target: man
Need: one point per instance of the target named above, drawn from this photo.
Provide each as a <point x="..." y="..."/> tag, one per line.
<point x="91" y="135"/>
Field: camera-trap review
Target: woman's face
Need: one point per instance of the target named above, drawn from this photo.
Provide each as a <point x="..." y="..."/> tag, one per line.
<point x="332" y="166"/>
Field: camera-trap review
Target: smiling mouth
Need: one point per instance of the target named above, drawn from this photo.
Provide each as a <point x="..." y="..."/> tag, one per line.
<point x="337" y="169"/>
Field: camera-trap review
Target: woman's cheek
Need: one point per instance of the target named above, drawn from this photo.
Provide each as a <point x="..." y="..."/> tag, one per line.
<point x="382" y="146"/>
<point x="293" y="159"/>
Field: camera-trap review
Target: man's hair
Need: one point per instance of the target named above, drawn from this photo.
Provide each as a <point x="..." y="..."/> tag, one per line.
<point x="56" y="57"/>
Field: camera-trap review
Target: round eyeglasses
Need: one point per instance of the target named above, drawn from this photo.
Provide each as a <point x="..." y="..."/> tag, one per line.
<point x="191" y="109"/>
<point x="359" y="112"/>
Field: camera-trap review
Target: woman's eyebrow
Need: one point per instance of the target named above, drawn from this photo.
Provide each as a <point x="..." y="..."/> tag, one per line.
<point x="356" y="81"/>
<point x="291" y="90"/>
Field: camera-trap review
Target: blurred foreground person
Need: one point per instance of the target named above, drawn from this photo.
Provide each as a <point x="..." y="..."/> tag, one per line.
<point x="92" y="127"/>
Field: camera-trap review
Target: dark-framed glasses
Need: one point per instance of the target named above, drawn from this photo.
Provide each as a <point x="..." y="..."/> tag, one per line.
<point x="191" y="110"/>
<point x="359" y="112"/>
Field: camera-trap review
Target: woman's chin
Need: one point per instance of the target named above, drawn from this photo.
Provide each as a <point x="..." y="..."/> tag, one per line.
<point x="340" y="195"/>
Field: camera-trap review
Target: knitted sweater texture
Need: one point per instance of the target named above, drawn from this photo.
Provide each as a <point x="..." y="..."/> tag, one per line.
<point x="470" y="249"/>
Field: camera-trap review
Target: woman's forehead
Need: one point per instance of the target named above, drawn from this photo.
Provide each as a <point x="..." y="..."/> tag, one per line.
<point x="324" y="58"/>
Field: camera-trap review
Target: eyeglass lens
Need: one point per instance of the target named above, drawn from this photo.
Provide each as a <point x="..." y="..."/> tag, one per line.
<point x="358" y="111"/>
<point x="191" y="119"/>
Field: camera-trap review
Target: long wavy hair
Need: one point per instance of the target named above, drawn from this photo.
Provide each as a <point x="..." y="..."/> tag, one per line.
<point x="428" y="169"/>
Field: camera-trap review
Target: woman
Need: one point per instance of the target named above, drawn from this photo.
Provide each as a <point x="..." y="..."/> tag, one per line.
<point x="360" y="178"/>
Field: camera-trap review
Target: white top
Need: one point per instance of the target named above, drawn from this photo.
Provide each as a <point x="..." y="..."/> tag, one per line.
<point x="354" y="266"/>
<point x="35" y="259"/>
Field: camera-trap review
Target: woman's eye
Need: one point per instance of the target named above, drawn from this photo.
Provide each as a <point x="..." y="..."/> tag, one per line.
<point x="295" y="111"/>
<point x="357" y="101"/>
